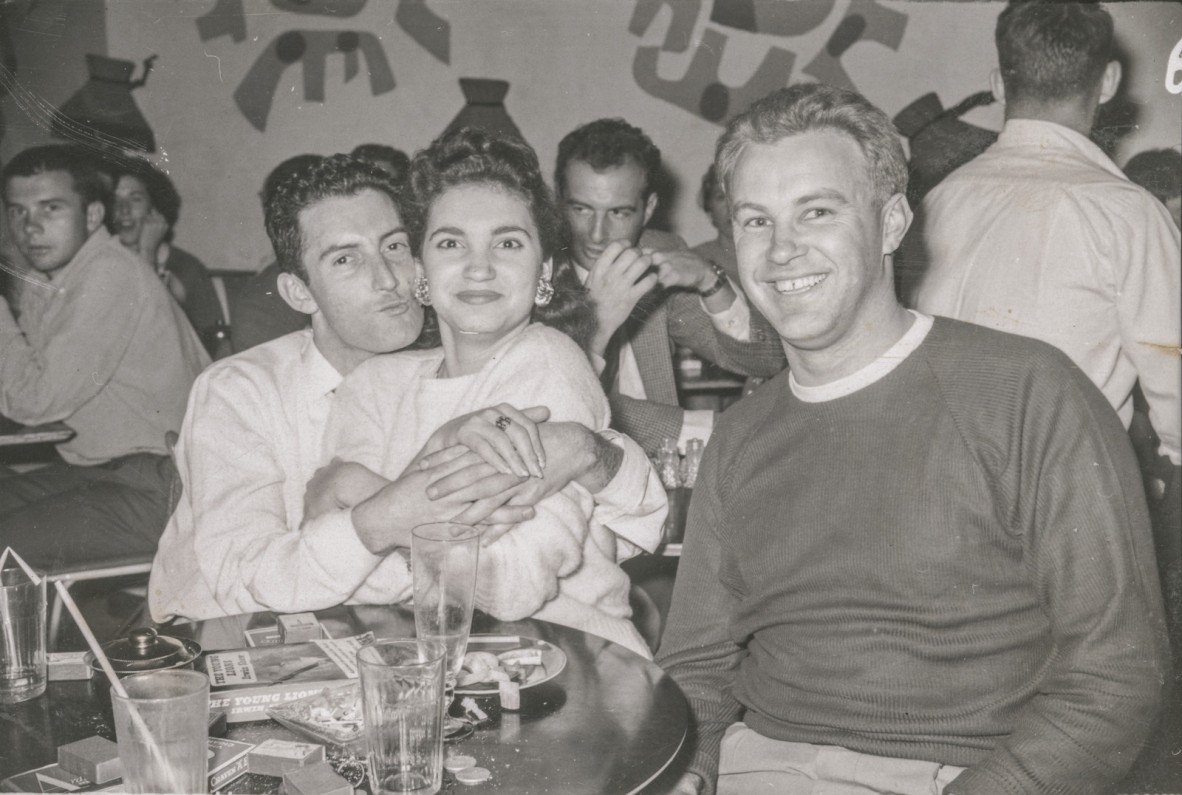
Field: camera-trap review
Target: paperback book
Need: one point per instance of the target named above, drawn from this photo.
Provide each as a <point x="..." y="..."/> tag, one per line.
<point x="245" y="683"/>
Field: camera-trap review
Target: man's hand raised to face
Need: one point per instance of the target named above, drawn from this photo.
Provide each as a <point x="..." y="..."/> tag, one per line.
<point x="617" y="280"/>
<point x="689" y="270"/>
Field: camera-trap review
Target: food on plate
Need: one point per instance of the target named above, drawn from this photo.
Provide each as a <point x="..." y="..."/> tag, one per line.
<point x="515" y="666"/>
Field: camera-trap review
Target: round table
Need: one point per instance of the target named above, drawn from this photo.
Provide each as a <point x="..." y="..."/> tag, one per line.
<point x="610" y="722"/>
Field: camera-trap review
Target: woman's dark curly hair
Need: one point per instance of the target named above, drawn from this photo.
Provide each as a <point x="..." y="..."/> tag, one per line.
<point x="472" y="156"/>
<point x="161" y="192"/>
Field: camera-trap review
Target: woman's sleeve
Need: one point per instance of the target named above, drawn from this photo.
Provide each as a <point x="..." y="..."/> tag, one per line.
<point x="520" y="571"/>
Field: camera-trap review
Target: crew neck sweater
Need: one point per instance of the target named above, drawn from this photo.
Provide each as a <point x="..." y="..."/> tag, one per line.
<point x="951" y="563"/>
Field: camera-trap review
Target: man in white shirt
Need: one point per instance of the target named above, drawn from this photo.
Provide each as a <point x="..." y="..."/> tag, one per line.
<point x="1042" y="235"/>
<point x="256" y="529"/>
<point x="650" y="291"/>
<point x="100" y="345"/>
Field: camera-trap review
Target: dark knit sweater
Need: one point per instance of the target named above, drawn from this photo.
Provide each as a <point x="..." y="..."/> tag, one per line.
<point x="953" y="564"/>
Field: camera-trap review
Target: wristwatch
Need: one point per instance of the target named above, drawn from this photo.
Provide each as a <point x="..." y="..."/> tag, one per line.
<point x="718" y="285"/>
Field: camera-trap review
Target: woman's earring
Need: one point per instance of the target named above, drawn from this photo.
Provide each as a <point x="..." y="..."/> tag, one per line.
<point x="545" y="292"/>
<point x="422" y="291"/>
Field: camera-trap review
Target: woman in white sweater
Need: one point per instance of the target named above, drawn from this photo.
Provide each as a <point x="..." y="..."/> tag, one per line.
<point x="484" y="230"/>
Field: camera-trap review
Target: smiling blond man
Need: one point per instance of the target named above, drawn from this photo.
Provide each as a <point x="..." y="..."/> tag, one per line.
<point x="919" y="561"/>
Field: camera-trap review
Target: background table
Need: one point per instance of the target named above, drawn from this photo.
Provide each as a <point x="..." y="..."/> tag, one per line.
<point x="13" y="433"/>
<point x="610" y="722"/>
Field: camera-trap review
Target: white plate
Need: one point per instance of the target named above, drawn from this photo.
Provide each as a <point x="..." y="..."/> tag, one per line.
<point x="553" y="660"/>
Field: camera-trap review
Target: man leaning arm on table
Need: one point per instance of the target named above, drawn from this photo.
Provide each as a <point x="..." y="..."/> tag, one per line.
<point x="920" y="559"/>
<point x="247" y="535"/>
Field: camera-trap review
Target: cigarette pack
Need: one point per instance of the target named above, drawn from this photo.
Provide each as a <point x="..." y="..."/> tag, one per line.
<point x="275" y="757"/>
<point x="94" y="758"/>
<point x="227" y="761"/>
<point x="245" y="683"/>
<point x="318" y="779"/>
<point x="298" y="628"/>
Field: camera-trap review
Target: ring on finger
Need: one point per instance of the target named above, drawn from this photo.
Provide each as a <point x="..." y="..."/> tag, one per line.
<point x="503" y="422"/>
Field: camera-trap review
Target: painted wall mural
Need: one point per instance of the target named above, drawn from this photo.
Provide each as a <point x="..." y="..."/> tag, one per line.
<point x="701" y="92"/>
<point x="311" y="49"/>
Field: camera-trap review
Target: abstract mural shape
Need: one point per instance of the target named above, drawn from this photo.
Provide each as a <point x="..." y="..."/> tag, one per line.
<point x="256" y="93"/>
<point x="324" y="8"/>
<point x="699" y="90"/>
<point x="681" y="27"/>
<point x="864" y="20"/>
<point x="312" y="48"/>
<point x="227" y="18"/>
<point x="772" y="17"/>
<point x="430" y="31"/>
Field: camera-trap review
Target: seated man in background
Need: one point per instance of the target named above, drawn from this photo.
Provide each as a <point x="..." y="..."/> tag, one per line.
<point x="100" y="345"/>
<point x="240" y="540"/>
<point x="258" y="313"/>
<point x="147" y="207"/>
<point x="919" y="561"/>
<point x="650" y="291"/>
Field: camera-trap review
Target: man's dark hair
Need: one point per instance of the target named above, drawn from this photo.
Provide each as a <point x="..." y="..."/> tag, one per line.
<point x="289" y="166"/>
<point x="609" y="143"/>
<point x="80" y="165"/>
<point x="1051" y="51"/>
<point x="161" y="192"/>
<point x="316" y="180"/>
<point x="474" y="156"/>
<point x="382" y="155"/>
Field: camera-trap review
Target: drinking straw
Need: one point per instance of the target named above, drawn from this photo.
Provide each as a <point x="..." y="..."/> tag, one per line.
<point x="4" y="557"/>
<point x="116" y="685"/>
<point x="28" y="569"/>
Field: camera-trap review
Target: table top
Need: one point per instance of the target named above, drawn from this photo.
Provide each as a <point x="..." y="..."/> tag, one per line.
<point x="610" y="722"/>
<point x="13" y="433"/>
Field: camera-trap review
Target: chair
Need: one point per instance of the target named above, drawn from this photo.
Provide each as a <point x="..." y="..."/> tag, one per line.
<point x="107" y="569"/>
<point x="111" y="567"/>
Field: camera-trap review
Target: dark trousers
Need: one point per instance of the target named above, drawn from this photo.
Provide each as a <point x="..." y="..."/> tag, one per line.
<point x="64" y="515"/>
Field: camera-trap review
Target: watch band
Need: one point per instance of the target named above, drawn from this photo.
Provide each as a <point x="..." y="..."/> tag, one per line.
<point x="718" y="285"/>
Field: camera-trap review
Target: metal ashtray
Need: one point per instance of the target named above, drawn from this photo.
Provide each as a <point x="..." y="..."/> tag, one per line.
<point x="146" y="650"/>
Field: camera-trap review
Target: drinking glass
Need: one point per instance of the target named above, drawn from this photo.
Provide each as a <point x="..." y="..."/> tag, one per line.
<point x="161" y="727"/>
<point x="22" y="636"/>
<point x="402" y="701"/>
<point x="444" y="559"/>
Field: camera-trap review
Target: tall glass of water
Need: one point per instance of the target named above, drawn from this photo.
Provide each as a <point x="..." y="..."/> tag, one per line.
<point x="444" y="559"/>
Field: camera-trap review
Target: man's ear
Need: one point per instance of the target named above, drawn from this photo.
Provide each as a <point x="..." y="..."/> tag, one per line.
<point x="650" y="207"/>
<point x="296" y="293"/>
<point x="997" y="86"/>
<point x="896" y="220"/>
<point x="1110" y="82"/>
<point x="95" y="213"/>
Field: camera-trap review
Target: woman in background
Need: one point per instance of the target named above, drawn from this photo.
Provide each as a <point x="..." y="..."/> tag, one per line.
<point x="146" y="210"/>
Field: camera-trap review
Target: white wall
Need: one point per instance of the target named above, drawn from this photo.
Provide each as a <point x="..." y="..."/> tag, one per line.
<point x="568" y="61"/>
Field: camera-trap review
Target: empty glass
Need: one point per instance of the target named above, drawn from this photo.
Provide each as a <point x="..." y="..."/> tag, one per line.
<point x="444" y="558"/>
<point x="402" y="704"/>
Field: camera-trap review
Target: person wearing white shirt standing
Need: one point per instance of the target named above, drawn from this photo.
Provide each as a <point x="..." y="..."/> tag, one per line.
<point x="1043" y="235"/>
